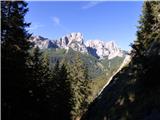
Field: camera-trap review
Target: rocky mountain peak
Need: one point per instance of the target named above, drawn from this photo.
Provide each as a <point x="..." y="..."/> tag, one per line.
<point x="76" y="37"/>
<point x="75" y="41"/>
<point x="103" y="49"/>
<point x="42" y="43"/>
<point x="94" y="43"/>
<point x="72" y="37"/>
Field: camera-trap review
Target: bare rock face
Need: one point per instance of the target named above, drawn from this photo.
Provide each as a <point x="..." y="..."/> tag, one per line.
<point x="43" y="43"/>
<point x="75" y="41"/>
<point x="104" y="49"/>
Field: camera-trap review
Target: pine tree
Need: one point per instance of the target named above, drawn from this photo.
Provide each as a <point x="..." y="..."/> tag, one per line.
<point x="146" y="48"/>
<point x="79" y="87"/>
<point x="64" y="94"/>
<point x="14" y="53"/>
<point x="60" y="93"/>
<point x="39" y="70"/>
<point x="144" y="30"/>
<point x="143" y="35"/>
<point x="152" y="65"/>
<point x="40" y="75"/>
<point x="39" y="65"/>
<point x="46" y="67"/>
<point x="156" y="27"/>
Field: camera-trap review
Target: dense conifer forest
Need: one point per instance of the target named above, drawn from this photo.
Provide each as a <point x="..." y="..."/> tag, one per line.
<point x="35" y="89"/>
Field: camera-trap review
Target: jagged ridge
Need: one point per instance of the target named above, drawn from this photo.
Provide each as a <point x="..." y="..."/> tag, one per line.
<point x="96" y="48"/>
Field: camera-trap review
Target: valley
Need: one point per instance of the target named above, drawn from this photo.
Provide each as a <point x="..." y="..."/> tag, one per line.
<point x="74" y="77"/>
<point x="102" y="59"/>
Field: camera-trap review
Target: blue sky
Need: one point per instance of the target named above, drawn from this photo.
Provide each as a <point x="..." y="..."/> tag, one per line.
<point x="96" y="20"/>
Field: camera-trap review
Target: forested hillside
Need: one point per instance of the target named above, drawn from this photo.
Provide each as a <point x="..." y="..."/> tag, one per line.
<point x="62" y="81"/>
<point x="133" y="93"/>
<point x="45" y="84"/>
<point x="96" y="67"/>
<point x="31" y="89"/>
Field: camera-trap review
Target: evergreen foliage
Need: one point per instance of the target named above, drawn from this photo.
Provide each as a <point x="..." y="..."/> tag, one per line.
<point x="14" y="54"/>
<point x="60" y="93"/>
<point x="31" y="88"/>
<point x="38" y="76"/>
<point x="133" y="93"/>
<point x="146" y="48"/>
<point x="79" y="87"/>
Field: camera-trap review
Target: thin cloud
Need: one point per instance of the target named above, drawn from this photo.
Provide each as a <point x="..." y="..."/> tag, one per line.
<point x="91" y="4"/>
<point x="35" y="26"/>
<point x="56" y="20"/>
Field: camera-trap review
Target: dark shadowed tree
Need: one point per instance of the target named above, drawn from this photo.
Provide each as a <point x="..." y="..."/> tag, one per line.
<point x="79" y="87"/>
<point x="147" y="43"/>
<point x="14" y="54"/>
<point x="39" y="74"/>
<point x="60" y="93"/>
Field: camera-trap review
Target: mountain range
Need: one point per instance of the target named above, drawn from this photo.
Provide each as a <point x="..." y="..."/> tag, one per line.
<point x="101" y="58"/>
<point x="75" y="41"/>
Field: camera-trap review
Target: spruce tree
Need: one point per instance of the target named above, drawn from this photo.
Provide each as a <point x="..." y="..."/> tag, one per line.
<point x="14" y="54"/>
<point x="39" y="72"/>
<point x="79" y="87"/>
<point x="144" y="30"/>
<point x="152" y="65"/>
<point x="146" y="47"/>
<point x="59" y="92"/>
<point x="64" y="94"/>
